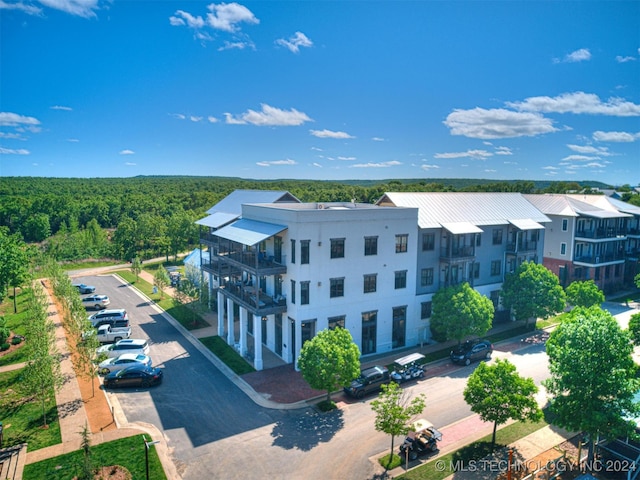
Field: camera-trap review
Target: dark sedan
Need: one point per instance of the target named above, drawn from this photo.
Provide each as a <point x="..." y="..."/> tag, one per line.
<point x="137" y="376"/>
<point x="472" y="350"/>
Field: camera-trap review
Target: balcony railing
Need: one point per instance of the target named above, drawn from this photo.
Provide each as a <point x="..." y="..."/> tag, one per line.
<point x="602" y="233"/>
<point x="457" y="253"/>
<point x="254" y="299"/>
<point x="600" y="259"/>
<point x="522" y="247"/>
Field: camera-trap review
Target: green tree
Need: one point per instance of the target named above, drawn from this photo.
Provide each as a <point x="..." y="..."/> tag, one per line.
<point x="634" y="328"/>
<point x="533" y="291"/>
<point x="584" y="294"/>
<point x="161" y="279"/>
<point x="136" y="267"/>
<point x="4" y="331"/>
<point x="460" y="311"/>
<point x="497" y="393"/>
<point x="329" y="360"/>
<point x="14" y="263"/>
<point x="394" y="410"/>
<point x="37" y="227"/>
<point x="636" y="279"/>
<point x="188" y="295"/>
<point x="593" y="376"/>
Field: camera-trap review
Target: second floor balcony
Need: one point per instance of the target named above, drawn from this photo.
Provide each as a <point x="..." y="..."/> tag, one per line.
<point x="522" y="247"/>
<point x="602" y="233"/>
<point x="452" y="254"/>
<point x="253" y="298"/>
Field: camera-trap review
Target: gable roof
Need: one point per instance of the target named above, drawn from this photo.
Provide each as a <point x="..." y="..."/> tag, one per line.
<point x="568" y="205"/>
<point x="442" y="209"/>
<point x="233" y="202"/>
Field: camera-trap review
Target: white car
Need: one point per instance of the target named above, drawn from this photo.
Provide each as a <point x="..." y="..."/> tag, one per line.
<point x="96" y="301"/>
<point x="123" y="361"/>
<point x="136" y="346"/>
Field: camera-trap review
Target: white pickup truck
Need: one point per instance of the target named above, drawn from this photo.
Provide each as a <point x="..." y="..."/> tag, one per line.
<point x="109" y="334"/>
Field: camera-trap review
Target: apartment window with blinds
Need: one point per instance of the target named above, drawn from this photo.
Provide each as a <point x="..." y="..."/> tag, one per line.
<point x="304" y="251"/>
<point x="401" y="279"/>
<point x="426" y="277"/>
<point x="401" y="243"/>
<point x="335" y="322"/>
<point x="496" y="268"/>
<point x="370" y="283"/>
<point x="425" y="310"/>
<point x="497" y="236"/>
<point x="370" y="246"/>
<point x="304" y="293"/>
<point x="337" y="248"/>
<point x="428" y="242"/>
<point x="293" y="251"/>
<point x="336" y="287"/>
<point x="293" y="291"/>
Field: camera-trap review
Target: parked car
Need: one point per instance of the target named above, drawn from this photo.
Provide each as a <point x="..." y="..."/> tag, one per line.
<point x="136" y="376"/>
<point x="123" y="361"/>
<point x="110" y="316"/>
<point x="370" y="380"/>
<point x="96" y="301"/>
<point x="423" y="437"/>
<point x="109" y="334"/>
<point x="408" y="367"/>
<point x="126" y="345"/>
<point x="471" y="350"/>
<point x="82" y="288"/>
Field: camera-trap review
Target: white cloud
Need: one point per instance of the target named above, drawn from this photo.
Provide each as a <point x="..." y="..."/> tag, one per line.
<point x="60" y="107"/>
<point x="429" y="167"/>
<point x="621" y="59"/>
<point x="211" y="119"/>
<point x="294" y="43"/>
<point x="11" y="151"/>
<point x="601" y="136"/>
<point x="227" y="16"/>
<point x="576" y="56"/>
<point x="329" y="134"/>
<point x="347" y="158"/>
<point x="236" y="46"/>
<point x="589" y="149"/>
<point x="578" y="102"/>
<point x="490" y="170"/>
<point x="316" y="164"/>
<point x="182" y="18"/>
<point x="127" y="152"/>
<point x="469" y="153"/>
<point x="317" y="149"/>
<point x="503" y="151"/>
<point x="378" y="139"/>
<point x="130" y="164"/>
<point x="550" y="168"/>
<point x="28" y="9"/>
<point x="579" y="158"/>
<point x="288" y="161"/>
<point x="497" y="123"/>
<point x="179" y="116"/>
<point x="269" y="116"/>
<point x="11" y="136"/>
<point x="194" y="118"/>
<point x="391" y="163"/>
<point x="81" y="8"/>
<point x="8" y="119"/>
<point x="73" y="140"/>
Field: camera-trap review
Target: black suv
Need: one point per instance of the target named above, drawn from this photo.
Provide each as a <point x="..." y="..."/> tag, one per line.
<point x="471" y="350"/>
<point x="369" y="381"/>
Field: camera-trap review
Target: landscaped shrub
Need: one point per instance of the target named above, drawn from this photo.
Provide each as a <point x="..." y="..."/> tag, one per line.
<point x="16" y="339"/>
<point x="4" y="346"/>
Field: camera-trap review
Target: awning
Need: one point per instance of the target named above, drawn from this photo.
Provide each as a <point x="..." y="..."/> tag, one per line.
<point x="217" y="219"/>
<point x="526" y="224"/>
<point x="249" y="232"/>
<point x="603" y="214"/>
<point x="461" y="227"/>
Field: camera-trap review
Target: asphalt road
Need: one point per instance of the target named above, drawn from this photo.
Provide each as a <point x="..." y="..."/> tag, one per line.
<point x="215" y="431"/>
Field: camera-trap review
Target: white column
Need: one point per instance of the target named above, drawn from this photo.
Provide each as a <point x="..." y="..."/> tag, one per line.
<point x="243" y="330"/>
<point x="257" y="342"/>
<point x="230" y="333"/>
<point x="220" y="315"/>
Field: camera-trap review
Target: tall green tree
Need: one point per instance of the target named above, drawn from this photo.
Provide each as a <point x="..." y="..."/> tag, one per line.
<point x="136" y="267"/>
<point x="593" y="376"/>
<point x="14" y="263"/>
<point x="497" y="393"/>
<point x="533" y="291"/>
<point x="161" y="279"/>
<point x="634" y="328"/>
<point x="460" y="311"/>
<point x="584" y="294"/>
<point x="329" y="360"/>
<point x="394" y="409"/>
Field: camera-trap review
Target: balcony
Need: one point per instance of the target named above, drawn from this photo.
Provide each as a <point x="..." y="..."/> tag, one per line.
<point x="522" y="247"/>
<point x="457" y="254"/>
<point x="601" y="259"/>
<point x="254" y="300"/>
<point x="259" y="265"/>
<point x="602" y="234"/>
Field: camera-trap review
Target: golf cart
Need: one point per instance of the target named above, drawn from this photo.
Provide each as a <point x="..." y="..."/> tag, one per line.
<point x="422" y="439"/>
<point x="408" y="367"/>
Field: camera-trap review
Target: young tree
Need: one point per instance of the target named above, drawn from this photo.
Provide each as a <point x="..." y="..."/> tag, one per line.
<point x="394" y="411"/>
<point x="460" y="311"/>
<point x="188" y="295"/>
<point x="136" y="267"/>
<point x="497" y="393"/>
<point x="329" y="360"/>
<point x="161" y="279"/>
<point x="584" y="294"/>
<point x="14" y="263"/>
<point x="634" y="328"/>
<point x="592" y="382"/>
<point x="84" y="361"/>
<point x="533" y="291"/>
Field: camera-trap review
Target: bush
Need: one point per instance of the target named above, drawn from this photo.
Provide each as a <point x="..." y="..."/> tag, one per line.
<point x="5" y="346"/>
<point x="390" y="463"/>
<point x="17" y="339"/>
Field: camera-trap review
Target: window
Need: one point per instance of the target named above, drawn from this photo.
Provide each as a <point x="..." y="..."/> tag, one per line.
<point x="304" y="251"/>
<point x="337" y="248"/>
<point x="337" y="287"/>
<point x="563" y="248"/>
<point x="308" y="330"/>
<point x="496" y="267"/>
<point x="475" y="270"/>
<point x="369" y="329"/>
<point x="426" y="277"/>
<point x="428" y="242"/>
<point x="565" y="224"/>
<point x="425" y="310"/>
<point x="370" y="283"/>
<point x="401" y="243"/>
<point x="401" y="279"/>
<point x="293" y="291"/>
<point x="497" y="236"/>
<point x="478" y="239"/>
<point x="398" y="332"/>
<point x="304" y="293"/>
<point x="293" y="251"/>
<point x="370" y="246"/>
<point x="335" y="322"/>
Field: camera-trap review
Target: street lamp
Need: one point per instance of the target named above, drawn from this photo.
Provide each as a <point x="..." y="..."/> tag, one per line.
<point x="146" y="453"/>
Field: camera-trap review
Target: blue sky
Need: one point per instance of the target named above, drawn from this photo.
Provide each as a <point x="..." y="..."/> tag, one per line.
<point x="324" y="90"/>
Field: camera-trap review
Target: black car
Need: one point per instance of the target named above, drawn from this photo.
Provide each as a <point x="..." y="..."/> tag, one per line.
<point x="369" y="381"/>
<point x="471" y="350"/>
<point x="137" y="376"/>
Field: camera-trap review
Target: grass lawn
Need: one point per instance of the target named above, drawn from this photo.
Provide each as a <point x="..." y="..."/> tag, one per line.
<point x="433" y="470"/>
<point x="22" y="419"/>
<point x="79" y="265"/>
<point x="182" y="314"/>
<point x="127" y="452"/>
<point x="228" y="355"/>
<point x="16" y="323"/>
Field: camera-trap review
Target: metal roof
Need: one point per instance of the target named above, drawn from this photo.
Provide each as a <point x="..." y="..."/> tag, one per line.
<point x="461" y="227"/>
<point x="249" y="232"/>
<point x="217" y="219"/>
<point x="233" y="202"/>
<point x="438" y="208"/>
<point x="525" y="224"/>
<point x="597" y="206"/>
